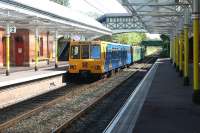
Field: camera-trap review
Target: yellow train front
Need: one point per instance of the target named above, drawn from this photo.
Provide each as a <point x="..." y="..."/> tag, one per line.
<point x="86" y="57"/>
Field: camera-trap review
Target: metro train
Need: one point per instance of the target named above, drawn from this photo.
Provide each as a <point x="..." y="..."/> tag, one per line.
<point x="100" y="57"/>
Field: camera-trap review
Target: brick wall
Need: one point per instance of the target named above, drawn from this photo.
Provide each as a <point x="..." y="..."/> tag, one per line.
<point x="46" y="54"/>
<point x="28" y="49"/>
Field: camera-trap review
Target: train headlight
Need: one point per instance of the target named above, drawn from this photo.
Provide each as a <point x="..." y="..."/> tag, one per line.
<point x="97" y="67"/>
<point x="72" y="67"/>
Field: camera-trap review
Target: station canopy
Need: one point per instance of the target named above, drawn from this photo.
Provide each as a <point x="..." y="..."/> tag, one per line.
<point x="48" y="16"/>
<point x="158" y="16"/>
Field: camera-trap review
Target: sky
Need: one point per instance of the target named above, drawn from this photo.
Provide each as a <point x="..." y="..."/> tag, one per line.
<point x="153" y="36"/>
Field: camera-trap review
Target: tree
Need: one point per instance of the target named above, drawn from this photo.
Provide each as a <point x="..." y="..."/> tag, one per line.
<point x="166" y="45"/>
<point x="62" y="2"/>
<point x="132" y="38"/>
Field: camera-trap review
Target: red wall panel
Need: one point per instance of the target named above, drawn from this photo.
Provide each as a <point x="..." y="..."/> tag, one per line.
<point x="24" y="34"/>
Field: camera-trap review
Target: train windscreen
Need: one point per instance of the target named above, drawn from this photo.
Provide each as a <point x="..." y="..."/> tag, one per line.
<point x="85" y="52"/>
<point x="75" y="52"/>
<point x="95" y="52"/>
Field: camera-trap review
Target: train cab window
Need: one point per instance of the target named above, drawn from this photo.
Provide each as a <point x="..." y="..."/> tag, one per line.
<point x="85" y="52"/>
<point x="95" y="52"/>
<point x="75" y="52"/>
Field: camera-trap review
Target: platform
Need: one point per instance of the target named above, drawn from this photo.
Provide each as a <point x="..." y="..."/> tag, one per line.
<point x="168" y="107"/>
<point x="23" y="85"/>
<point x="159" y="104"/>
<point x="26" y="76"/>
<point x="51" y="65"/>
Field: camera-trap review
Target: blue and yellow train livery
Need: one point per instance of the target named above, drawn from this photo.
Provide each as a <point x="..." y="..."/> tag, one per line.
<point x="98" y="57"/>
<point x="116" y="56"/>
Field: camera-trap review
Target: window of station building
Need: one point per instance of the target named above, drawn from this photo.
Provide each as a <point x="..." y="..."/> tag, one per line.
<point x="85" y="52"/>
<point x="18" y="40"/>
<point x="95" y="52"/>
<point x="75" y="52"/>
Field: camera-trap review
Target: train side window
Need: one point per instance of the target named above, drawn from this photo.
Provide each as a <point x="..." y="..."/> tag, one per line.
<point x="95" y="52"/>
<point x="75" y="52"/>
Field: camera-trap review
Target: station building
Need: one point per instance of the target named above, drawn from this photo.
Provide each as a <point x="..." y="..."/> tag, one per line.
<point x="22" y="48"/>
<point x="38" y="28"/>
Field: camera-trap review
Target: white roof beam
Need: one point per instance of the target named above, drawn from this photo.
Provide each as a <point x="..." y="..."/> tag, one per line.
<point x="156" y="4"/>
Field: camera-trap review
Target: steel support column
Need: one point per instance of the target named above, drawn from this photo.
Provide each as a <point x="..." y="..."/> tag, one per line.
<point x="56" y="49"/>
<point x="186" y="47"/>
<point x="196" y="91"/>
<point x="181" y="54"/>
<point x="174" y="51"/>
<point x="36" y="48"/>
<point x="171" y="48"/>
<point x="177" y="51"/>
<point x="48" y="55"/>
<point x="7" y="49"/>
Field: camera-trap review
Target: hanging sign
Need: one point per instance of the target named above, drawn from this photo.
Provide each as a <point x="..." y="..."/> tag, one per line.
<point x="12" y="29"/>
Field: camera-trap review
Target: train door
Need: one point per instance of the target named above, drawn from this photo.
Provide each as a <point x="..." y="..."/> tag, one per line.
<point x="19" y="51"/>
<point x="108" y="58"/>
<point x="113" y="59"/>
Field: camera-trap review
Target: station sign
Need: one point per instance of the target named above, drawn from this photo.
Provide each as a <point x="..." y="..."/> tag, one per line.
<point x="12" y="29"/>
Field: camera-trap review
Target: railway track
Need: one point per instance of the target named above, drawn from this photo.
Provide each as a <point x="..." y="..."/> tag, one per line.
<point x="88" y="119"/>
<point x="22" y="110"/>
<point x="68" y="126"/>
<point x="13" y="115"/>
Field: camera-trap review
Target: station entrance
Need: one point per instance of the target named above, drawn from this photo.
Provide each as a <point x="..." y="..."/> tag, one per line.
<point x="19" y="51"/>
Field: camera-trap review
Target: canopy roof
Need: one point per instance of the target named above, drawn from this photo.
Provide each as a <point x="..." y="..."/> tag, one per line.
<point x="48" y="16"/>
<point x="158" y="16"/>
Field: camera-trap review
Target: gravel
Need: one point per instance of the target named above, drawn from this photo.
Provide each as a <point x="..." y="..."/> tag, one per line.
<point x="75" y="101"/>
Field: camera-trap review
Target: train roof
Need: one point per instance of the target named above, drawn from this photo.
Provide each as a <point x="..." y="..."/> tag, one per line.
<point x="97" y="42"/>
<point x="84" y="42"/>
